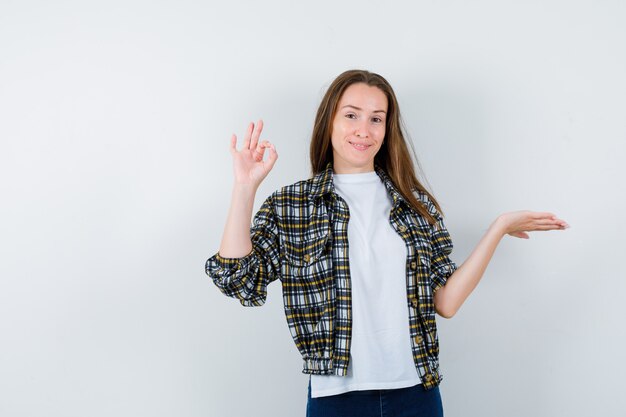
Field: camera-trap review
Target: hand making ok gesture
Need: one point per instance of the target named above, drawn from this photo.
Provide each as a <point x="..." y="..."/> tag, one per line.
<point x="248" y="164"/>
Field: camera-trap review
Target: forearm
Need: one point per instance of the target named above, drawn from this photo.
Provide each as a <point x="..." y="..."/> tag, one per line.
<point x="450" y="297"/>
<point x="236" y="241"/>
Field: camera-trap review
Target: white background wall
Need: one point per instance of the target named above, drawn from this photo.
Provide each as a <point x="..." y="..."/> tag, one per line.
<point x="115" y="177"/>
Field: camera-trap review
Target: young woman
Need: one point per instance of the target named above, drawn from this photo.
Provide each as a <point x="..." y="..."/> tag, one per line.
<point x="362" y="252"/>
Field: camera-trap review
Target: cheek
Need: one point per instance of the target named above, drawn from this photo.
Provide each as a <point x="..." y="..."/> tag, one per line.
<point x="339" y="133"/>
<point x="335" y="138"/>
<point x="339" y="126"/>
<point x="380" y="131"/>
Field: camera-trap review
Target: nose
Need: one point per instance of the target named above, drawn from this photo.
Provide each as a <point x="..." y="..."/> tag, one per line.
<point x="361" y="130"/>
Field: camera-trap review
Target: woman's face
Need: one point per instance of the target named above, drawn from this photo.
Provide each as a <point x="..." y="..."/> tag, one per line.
<point x="358" y="128"/>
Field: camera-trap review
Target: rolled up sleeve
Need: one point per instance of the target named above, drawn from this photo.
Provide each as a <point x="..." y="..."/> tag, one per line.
<point x="246" y="278"/>
<point x="441" y="266"/>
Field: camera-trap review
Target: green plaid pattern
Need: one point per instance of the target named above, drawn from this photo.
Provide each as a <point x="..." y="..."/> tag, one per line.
<point x="300" y="235"/>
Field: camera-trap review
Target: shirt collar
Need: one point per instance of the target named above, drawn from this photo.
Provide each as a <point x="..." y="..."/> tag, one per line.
<point x="323" y="184"/>
<point x="391" y="188"/>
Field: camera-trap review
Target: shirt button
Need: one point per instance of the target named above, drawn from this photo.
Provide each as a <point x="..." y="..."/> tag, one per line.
<point x="307" y="257"/>
<point x="413" y="265"/>
<point x="428" y="377"/>
<point x="419" y="339"/>
<point x="414" y="302"/>
<point x="402" y="228"/>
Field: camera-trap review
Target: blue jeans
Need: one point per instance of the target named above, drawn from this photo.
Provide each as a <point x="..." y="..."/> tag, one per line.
<point x="413" y="401"/>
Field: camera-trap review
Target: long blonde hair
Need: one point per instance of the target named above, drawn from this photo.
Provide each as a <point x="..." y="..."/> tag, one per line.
<point x="393" y="156"/>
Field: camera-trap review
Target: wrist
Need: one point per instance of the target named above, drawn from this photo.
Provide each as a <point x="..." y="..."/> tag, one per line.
<point x="499" y="226"/>
<point x="244" y="188"/>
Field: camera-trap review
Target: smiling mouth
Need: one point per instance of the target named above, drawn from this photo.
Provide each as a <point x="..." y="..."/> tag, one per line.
<point x="359" y="146"/>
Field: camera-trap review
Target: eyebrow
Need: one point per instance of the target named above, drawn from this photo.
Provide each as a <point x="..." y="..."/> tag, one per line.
<point x="360" y="109"/>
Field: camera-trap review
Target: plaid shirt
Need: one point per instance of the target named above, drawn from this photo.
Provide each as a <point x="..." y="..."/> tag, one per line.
<point x="300" y="235"/>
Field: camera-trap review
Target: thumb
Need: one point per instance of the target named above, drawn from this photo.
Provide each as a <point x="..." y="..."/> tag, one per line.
<point x="522" y="235"/>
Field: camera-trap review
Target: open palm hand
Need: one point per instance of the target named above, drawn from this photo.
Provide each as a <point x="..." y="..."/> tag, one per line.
<point x="517" y="223"/>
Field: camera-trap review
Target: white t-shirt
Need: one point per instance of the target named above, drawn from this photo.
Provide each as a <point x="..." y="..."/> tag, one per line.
<point x="380" y="353"/>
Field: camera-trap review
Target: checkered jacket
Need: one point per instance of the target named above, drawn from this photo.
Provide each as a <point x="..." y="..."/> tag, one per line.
<point x="299" y="235"/>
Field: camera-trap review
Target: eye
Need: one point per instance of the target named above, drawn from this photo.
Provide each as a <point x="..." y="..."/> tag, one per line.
<point x="351" y="116"/>
<point x="377" y="120"/>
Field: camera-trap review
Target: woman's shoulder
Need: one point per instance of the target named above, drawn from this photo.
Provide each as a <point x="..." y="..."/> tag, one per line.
<point x="307" y="188"/>
<point x="428" y="201"/>
<point x="422" y="197"/>
<point x="299" y="187"/>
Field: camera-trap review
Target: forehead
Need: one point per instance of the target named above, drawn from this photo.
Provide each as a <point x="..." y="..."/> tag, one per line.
<point x="364" y="96"/>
